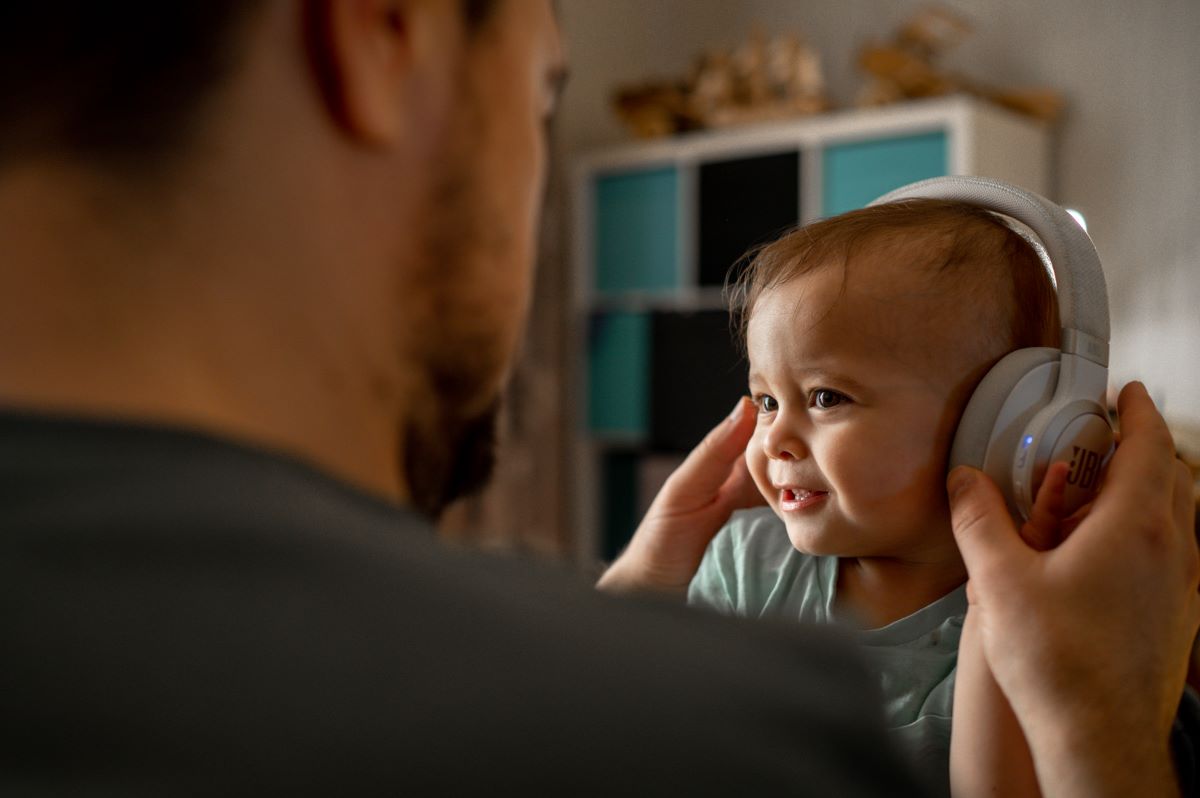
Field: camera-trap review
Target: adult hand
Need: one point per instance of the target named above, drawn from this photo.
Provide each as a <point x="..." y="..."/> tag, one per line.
<point x="696" y="500"/>
<point x="1090" y="640"/>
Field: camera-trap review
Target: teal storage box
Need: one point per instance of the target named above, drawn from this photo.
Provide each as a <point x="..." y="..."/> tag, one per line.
<point x="855" y="173"/>
<point x="620" y="471"/>
<point x="618" y="374"/>
<point x="636" y="235"/>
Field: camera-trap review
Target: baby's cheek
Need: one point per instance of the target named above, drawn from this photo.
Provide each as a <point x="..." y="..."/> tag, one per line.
<point x="893" y="476"/>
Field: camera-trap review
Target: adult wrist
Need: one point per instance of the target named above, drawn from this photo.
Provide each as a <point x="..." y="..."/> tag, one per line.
<point x="628" y="575"/>
<point x="1103" y="759"/>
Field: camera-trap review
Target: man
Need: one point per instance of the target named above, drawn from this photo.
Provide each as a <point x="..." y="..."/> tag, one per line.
<point x="266" y="267"/>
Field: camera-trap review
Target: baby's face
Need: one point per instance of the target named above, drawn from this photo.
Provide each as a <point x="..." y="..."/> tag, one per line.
<point x="858" y="390"/>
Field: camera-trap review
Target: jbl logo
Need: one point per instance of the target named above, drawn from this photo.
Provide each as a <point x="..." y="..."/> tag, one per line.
<point x="1085" y="468"/>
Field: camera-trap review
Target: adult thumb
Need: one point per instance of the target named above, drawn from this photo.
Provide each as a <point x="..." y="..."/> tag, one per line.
<point x="984" y="530"/>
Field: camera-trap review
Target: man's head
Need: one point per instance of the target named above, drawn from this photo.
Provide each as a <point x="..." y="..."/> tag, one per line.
<point x="866" y="334"/>
<point x="348" y="188"/>
<point x="123" y="85"/>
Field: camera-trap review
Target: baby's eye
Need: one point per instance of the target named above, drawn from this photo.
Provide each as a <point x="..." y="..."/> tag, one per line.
<point x="766" y="403"/>
<point x="826" y="399"/>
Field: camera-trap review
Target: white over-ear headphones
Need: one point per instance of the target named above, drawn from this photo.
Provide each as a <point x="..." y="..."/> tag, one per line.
<point x="1038" y="405"/>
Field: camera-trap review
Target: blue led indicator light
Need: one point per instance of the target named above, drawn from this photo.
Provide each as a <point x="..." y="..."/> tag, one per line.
<point x="1028" y="440"/>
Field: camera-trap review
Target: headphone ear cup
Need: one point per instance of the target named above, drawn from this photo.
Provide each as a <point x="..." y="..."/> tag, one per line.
<point x="978" y="422"/>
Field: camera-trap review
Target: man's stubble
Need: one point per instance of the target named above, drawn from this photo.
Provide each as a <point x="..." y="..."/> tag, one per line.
<point x="449" y="447"/>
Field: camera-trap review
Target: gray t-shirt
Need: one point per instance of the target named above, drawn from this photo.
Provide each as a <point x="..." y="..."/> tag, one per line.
<point x="751" y="569"/>
<point x="184" y="615"/>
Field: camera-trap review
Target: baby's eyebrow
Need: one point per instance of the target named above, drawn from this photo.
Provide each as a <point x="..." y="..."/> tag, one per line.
<point x="838" y="379"/>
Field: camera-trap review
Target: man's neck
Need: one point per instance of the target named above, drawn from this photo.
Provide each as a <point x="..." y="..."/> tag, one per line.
<point x="150" y="316"/>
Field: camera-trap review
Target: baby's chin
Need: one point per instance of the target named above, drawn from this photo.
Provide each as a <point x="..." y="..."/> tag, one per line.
<point x="817" y="542"/>
<point x="815" y="536"/>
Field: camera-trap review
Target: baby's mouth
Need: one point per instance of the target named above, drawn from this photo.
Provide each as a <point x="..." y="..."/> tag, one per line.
<point x="793" y="499"/>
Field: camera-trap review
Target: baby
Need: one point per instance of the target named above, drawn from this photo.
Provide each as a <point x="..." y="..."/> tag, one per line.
<point x="866" y="334"/>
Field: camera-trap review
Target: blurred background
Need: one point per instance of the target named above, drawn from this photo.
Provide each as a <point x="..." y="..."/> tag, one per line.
<point x="1093" y="102"/>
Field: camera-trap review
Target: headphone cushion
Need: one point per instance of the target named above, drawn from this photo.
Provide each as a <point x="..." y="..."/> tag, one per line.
<point x="983" y="408"/>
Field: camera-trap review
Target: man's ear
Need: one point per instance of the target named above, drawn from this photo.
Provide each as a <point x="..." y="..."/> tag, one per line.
<point x="380" y="62"/>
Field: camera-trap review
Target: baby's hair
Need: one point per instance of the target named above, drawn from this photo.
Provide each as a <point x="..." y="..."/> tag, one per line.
<point x="961" y="241"/>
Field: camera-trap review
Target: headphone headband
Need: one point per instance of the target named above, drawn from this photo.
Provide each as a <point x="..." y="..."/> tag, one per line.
<point x="1082" y="294"/>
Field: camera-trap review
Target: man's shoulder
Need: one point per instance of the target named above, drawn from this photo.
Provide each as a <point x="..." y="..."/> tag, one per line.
<point x="229" y="607"/>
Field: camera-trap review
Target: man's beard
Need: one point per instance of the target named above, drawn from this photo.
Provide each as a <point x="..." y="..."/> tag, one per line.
<point x="448" y="454"/>
<point x="449" y="459"/>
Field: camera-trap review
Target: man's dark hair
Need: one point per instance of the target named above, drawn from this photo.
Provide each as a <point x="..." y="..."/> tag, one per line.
<point x="478" y="12"/>
<point x="110" y="81"/>
<point x="120" y="82"/>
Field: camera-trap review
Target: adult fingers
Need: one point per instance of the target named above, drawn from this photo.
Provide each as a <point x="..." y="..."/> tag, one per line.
<point x="1043" y="530"/>
<point x="982" y="526"/>
<point x="1145" y="484"/>
<point x="1072" y="521"/>
<point x="1141" y="467"/>
<point x="739" y="490"/>
<point x="708" y="466"/>
<point x="1184" y="511"/>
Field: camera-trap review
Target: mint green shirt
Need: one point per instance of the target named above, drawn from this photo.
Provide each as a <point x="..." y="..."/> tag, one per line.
<point x="752" y="570"/>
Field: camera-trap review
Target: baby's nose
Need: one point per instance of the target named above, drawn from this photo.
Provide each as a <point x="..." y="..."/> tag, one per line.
<point x="784" y="443"/>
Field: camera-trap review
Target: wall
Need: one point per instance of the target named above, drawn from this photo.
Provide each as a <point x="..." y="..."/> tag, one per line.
<point x="1126" y="154"/>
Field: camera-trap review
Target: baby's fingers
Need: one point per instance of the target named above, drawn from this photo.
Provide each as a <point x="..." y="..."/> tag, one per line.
<point x="1043" y="530"/>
